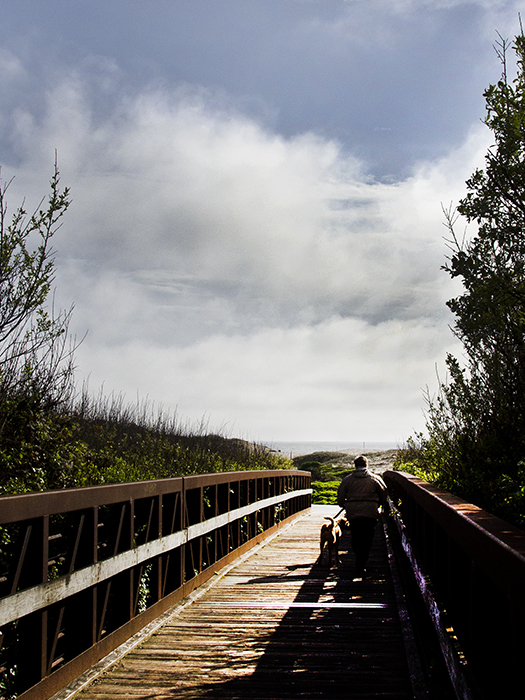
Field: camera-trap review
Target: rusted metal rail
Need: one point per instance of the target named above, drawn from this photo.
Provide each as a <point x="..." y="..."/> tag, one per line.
<point x="470" y="568"/>
<point x="84" y="569"/>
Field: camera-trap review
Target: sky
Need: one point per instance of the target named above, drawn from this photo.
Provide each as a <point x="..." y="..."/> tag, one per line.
<point x="256" y="236"/>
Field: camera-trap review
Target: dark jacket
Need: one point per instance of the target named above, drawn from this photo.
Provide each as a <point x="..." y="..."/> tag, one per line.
<point x="361" y="493"/>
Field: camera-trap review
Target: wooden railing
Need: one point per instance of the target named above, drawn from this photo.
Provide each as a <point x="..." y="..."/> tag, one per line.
<point x="470" y="568"/>
<point x="82" y="570"/>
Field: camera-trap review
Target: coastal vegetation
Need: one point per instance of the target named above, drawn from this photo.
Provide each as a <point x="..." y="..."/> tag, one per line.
<point x="329" y="468"/>
<point x="105" y="441"/>
<point x="475" y="440"/>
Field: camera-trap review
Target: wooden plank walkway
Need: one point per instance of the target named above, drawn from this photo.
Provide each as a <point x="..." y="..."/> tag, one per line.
<point x="277" y="625"/>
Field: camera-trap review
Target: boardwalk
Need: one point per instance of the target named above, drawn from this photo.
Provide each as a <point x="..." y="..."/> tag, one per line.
<point x="277" y="625"/>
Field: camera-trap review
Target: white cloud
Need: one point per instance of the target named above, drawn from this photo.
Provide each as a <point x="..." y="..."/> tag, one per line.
<point x="226" y="270"/>
<point x="338" y="380"/>
<point x="11" y="69"/>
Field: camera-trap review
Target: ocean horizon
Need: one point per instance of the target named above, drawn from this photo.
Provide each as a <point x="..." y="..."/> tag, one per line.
<point x="296" y="449"/>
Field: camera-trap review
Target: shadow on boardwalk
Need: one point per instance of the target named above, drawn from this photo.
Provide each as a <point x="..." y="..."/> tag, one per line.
<point x="352" y="648"/>
<point x="278" y="625"/>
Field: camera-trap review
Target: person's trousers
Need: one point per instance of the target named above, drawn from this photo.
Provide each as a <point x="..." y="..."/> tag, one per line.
<point x="362" y="535"/>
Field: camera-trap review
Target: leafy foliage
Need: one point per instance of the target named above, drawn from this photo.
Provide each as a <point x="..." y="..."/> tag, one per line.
<point x="71" y="449"/>
<point x="36" y="362"/>
<point x="325" y="492"/>
<point x="325" y="466"/>
<point x="476" y="425"/>
<point x="327" y="469"/>
<point x="31" y="335"/>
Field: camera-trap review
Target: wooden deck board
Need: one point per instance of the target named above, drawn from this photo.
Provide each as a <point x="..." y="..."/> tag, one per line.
<point x="255" y="633"/>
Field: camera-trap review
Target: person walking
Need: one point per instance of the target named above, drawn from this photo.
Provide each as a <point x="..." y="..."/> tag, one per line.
<point x="361" y="494"/>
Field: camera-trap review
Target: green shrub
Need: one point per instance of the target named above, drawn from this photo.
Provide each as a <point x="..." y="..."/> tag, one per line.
<point x="61" y="451"/>
<point x="494" y="489"/>
<point x="325" y="492"/>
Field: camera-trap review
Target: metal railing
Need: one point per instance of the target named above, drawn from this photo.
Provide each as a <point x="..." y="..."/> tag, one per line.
<point x="82" y="570"/>
<point x="470" y="567"/>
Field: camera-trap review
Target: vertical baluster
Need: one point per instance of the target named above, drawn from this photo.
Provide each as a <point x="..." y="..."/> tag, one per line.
<point x="184" y="525"/>
<point x="200" y="540"/>
<point x="94" y="556"/>
<point x="132" y="573"/>
<point x="156" y="584"/>
<point x="216" y="534"/>
<point x="32" y="629"/>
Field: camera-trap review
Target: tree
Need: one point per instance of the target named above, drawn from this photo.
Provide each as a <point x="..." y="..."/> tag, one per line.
<point x="477" y="423"/>
<point x="32" y="336"/>
<point x="36" y="359"/>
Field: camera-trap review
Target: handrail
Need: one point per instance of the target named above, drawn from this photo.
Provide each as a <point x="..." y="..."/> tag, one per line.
<point x="84" y="569"/>
<point x="474" y="565"/>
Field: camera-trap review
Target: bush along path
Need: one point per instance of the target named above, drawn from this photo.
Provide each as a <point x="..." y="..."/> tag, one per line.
<point x="328" y="468"/>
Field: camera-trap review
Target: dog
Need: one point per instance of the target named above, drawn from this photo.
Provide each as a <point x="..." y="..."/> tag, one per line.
<point x="330" y="534"/>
